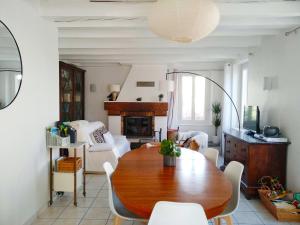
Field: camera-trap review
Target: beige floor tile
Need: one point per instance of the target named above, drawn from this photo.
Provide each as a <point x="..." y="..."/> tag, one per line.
<point x="73" y="212"/>
<point x="105" y="186"/>
<point x="51" y="212"/>
<point x="103" y="194"/>
<point x="66" y="222"/>
<point x="62" y="201"/>
<point x="93" y="222"/>
<point x="98" y="179"/>
<point x="247" y="218"/>
<point x="244" y="207"/>
<point x="91" y="193"/>
<point x="43" y="222"/>
<point x="94" y="185"/>
<point x="101" y="202"/>
<point x="84" y="202"/>
<point x="98" y="213"/>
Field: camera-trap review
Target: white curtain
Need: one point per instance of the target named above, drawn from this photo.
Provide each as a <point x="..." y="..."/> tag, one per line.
<point x="172" y="96"/>
<point x="227" y="105"/>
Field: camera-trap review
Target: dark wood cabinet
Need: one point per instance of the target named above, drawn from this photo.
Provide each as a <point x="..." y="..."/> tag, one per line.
<point x="71" y="92"/>
<point x="259" y="158"/>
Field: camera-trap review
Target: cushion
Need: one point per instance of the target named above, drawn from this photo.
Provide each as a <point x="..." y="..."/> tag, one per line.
<point x="90" y="128"/>
<point x="97" y="135"/>
<point x="109" y="138"/>
<point x="194" y="145"/>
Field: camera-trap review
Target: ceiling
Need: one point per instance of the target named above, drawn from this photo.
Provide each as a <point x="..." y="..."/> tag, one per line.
<point x="96" y="33"/>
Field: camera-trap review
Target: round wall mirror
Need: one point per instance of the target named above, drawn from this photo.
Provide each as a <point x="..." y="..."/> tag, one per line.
<point x="11" y="72"/>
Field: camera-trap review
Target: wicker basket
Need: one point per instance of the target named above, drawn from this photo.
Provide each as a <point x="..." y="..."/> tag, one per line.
<point x="279" y="214"/>
<point x="66" y="165"/>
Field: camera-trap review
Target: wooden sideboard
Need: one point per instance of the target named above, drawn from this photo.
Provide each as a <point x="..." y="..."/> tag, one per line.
<point x="259" y="158"/>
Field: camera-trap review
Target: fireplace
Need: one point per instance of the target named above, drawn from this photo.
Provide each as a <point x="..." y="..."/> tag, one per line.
<point x="138" y="126"/>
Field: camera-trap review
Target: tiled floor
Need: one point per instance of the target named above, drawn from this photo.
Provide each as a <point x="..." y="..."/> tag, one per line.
<point x="94" y="209"/>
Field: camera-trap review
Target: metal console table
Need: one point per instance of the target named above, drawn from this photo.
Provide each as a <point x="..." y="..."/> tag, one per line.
<point x="79" y="145"/>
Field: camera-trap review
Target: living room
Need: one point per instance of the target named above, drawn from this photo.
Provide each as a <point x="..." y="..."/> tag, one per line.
<point x="249" y="58"/>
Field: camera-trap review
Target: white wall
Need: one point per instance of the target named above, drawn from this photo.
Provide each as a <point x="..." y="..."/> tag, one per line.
<point x="24" y="158"/>
<point x="102" y="77"/>
<point x="130" y="92"/>
<point x="279" y="58"/>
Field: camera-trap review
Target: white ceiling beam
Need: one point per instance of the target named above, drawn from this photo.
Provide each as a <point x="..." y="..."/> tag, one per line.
<point x="150" y="51"/>
<point x="149" y="61"/>
<point x="145" y="33"/>
<point x="150" y="57"/>
<point x="158" y="43"/>
<point x="226" y="22"/>
<point x="259" y="22"/>
<point x="82" y="8"/>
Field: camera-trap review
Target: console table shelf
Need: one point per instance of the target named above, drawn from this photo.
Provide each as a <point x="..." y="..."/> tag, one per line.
<point x="67" y="182"/>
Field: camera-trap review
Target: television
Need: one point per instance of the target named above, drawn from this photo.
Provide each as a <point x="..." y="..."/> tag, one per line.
<point x="251" y="119"/>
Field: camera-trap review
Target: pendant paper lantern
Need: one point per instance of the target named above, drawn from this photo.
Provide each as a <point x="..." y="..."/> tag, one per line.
<point x="183" y="20"/>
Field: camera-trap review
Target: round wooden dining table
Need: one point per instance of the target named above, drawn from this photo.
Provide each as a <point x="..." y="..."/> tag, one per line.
<point x="140" y="180"/>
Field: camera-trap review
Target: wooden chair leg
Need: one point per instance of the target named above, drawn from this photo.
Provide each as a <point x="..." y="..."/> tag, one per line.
<point x="217" y="221"/>
<point x="228" y="220"/>
<point x="117" y="220"/>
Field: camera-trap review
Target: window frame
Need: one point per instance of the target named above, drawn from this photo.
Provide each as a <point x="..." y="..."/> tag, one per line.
<point x="207" y="100"/>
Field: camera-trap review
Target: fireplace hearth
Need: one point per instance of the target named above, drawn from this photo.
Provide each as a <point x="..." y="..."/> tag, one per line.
<point x="138" y="126"/>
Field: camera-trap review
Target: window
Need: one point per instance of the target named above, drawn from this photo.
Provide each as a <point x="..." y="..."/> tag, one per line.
<point x="192" y="98"/>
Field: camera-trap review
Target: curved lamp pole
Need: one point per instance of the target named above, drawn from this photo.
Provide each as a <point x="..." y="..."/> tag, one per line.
<point x="200" y="75"/>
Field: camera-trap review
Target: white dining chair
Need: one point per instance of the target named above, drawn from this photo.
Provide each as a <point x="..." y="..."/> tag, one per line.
<point x="115" y="205"/>
<point x="174" y="213"/>
<point x="233" y="172"/>
<point x="212" y="155"/>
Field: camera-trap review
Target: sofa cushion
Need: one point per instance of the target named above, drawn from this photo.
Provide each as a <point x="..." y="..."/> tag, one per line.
<point x="97" y="135"/>
<point x="90" y="128"/>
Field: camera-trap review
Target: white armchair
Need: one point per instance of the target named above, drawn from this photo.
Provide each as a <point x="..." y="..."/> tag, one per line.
<point x="98" y="153"/>
<point x="200" y="137"/>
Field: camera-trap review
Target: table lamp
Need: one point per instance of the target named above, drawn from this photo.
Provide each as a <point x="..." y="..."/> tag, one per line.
<point x="114" y="89"/>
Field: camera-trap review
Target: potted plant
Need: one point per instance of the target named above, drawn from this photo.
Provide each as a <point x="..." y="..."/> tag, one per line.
<point x="160" y="97"/>
<point x="216" y="110"/>
<point x="169" y="151"/>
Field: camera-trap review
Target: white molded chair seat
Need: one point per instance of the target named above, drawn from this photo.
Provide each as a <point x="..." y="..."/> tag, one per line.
<point x="212" y="155"/>
<point x="233" y="172"/>
<point x="115" y="204"/>
<point x="173" y="213"/>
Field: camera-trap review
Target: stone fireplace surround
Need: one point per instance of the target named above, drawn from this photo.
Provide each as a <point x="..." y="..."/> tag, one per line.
<point x="118" y="110"/>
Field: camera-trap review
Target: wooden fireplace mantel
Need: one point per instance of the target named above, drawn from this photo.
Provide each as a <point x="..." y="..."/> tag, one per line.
<point x="118" y="108"/>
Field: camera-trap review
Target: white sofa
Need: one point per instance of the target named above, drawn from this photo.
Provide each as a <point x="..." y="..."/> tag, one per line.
<point x="97" y="154"/>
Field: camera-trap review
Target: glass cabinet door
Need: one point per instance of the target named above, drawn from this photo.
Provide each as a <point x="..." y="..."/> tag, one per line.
<point x="66" y="94"/>
<point x="78" y="95"/>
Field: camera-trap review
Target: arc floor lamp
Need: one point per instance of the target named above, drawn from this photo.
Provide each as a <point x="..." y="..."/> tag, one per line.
<point x="211" y="80"/>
